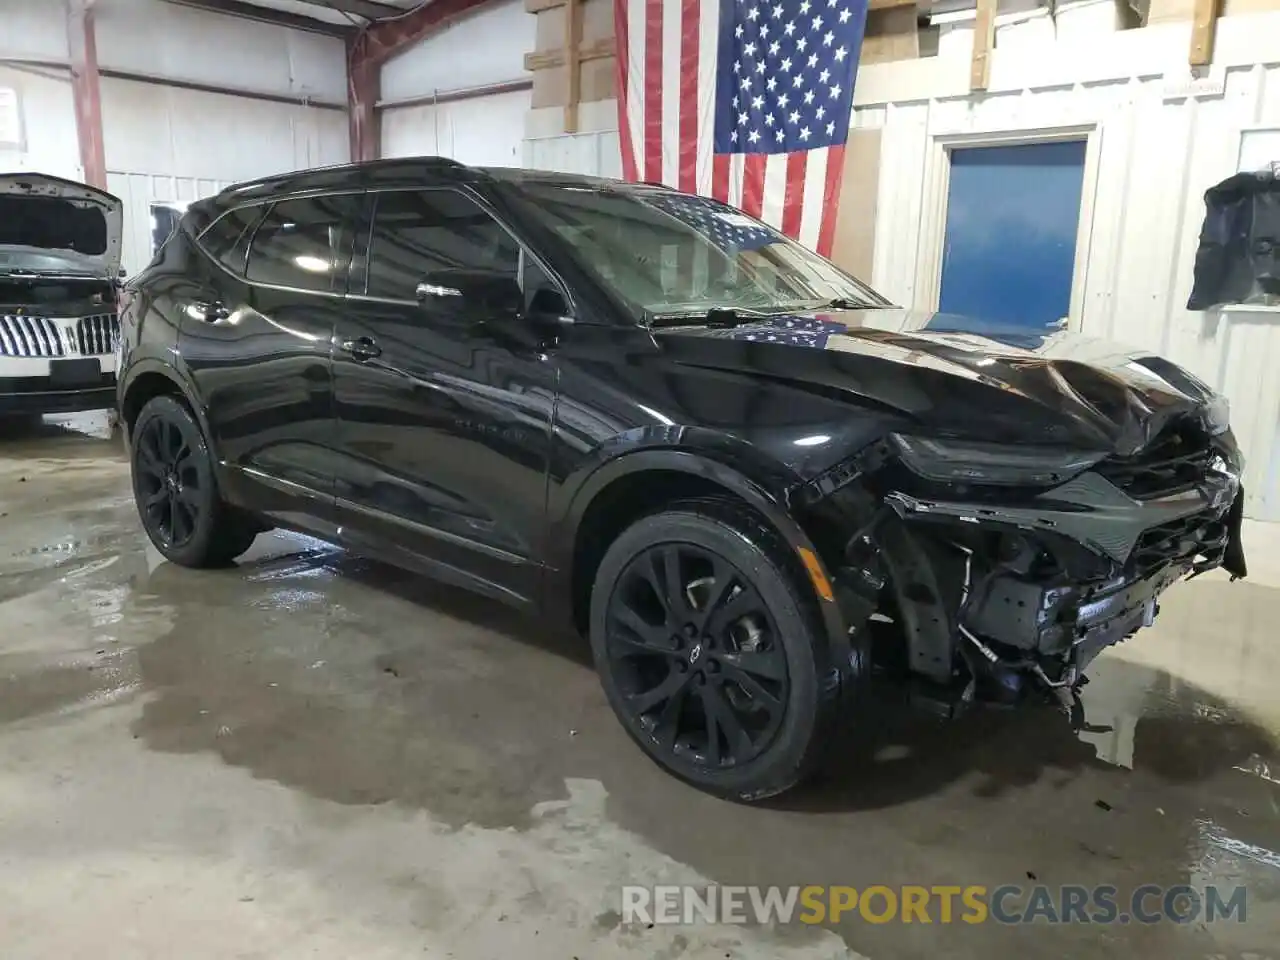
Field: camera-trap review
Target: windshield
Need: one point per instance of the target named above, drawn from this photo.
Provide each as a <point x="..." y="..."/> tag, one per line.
<point x="673" y="256"/>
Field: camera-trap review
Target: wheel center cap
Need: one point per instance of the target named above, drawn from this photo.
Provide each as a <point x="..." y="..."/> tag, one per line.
<point x="696" y="653"/>
<point x="171" y="481"/>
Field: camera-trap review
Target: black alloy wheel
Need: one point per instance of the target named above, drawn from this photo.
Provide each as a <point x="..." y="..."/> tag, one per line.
<point x="177" y="493"/>
<point x="168" y="482"/>
<point x="709" y="649"/>
<point x="696" y="653"/>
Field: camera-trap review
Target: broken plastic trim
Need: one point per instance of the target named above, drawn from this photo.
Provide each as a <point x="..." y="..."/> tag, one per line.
<point x="947" y="461"/>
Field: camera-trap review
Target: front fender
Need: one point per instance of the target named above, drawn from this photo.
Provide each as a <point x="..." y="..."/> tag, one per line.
<point x="729" y="464"/>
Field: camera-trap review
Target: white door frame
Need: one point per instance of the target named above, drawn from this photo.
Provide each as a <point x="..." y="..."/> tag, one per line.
<point x="937" y="188"/>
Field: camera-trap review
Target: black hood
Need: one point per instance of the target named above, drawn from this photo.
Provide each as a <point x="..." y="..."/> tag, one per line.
<point x="959" y="376"/>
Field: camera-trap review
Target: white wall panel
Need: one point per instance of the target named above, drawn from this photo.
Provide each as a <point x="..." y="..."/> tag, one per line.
<point x="49" y="143"/>
<point x="138" y="191"/>
<point x="594" y="150"/>
<point x="1160" y="145"/>
<point x="154" y="129"/>
<point x="486" y="131"/>
<point x="172" y="144"/>
<point x="166" y="40"/>
<point x="487" y="47"/>
<point x="594" y="154"/>
<point x="33" y="30"/>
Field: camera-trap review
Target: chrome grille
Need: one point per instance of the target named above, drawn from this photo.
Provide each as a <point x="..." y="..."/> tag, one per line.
<point x="98" y="334"/>
<point x="22" y="336"/>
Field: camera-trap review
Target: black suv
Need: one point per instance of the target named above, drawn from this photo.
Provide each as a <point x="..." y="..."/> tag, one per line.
<point x="742" y="474"/>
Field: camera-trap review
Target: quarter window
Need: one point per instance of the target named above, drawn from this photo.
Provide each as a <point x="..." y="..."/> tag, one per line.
<point x="416" y="233"/>
<point x="305" y="244"/>
<point x="228" y="237"/>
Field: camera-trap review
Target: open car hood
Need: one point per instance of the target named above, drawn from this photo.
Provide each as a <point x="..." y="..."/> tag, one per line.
<point x="961" y="375"/>
<point x="58" y="227"/>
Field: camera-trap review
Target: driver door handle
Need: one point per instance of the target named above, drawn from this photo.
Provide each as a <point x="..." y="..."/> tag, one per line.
<point x="362" y="348"/>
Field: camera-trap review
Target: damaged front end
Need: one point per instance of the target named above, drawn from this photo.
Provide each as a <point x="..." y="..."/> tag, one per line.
<point x="982" y="572"/>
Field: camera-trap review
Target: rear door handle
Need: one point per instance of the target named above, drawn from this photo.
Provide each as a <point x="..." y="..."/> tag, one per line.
<point x="362" y="348"/>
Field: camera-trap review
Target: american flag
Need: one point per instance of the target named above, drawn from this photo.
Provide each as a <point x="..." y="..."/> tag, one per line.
<point x="747" y="101"/>
<point x="727" y="230"/>
<point x="794" y="331"/>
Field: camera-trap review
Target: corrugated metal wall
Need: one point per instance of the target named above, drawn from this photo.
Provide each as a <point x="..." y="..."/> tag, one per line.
<point x="594" y="154"/>
<point x="485" y="131"/>
<point x="138" y="191"/>
<point x="594" y="151"/>
<point x="475" y="54"/>
<point x="1153" y="156"/>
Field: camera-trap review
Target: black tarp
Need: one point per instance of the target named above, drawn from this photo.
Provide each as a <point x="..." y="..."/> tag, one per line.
<point x="1238" y="260"/>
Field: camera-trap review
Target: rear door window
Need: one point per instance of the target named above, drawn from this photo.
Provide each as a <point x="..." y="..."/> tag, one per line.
<point x="305" y="244"/>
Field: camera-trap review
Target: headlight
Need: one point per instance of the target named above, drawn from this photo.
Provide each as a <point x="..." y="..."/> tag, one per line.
<point x="949" y="461"/>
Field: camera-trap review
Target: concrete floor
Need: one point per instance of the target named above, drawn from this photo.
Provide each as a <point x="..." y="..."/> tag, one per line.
<point x="316" y="756"/>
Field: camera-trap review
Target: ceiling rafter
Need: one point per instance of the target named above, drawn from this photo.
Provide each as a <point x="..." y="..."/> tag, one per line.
<point x="281" y="18"/>
<point x="368" y="9"/>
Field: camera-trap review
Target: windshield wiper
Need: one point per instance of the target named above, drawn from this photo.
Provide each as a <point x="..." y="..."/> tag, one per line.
<point x="717" y="317"/>
<point x="843" y="303"/>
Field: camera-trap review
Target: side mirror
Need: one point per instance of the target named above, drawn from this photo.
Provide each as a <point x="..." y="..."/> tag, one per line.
<point x="548" y="309"/>
<point x="477" y="294"/>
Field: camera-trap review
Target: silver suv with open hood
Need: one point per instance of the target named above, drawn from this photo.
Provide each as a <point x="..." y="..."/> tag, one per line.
<point x="59" y="268"/>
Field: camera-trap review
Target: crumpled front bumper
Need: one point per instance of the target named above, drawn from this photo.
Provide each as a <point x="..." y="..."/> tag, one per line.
<point x="1090" y="510"/>
<point x="1144" y="545"/>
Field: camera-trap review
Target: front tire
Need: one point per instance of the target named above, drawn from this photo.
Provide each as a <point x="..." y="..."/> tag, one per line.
<point x="176" y="492"/>
<point x="710" y="652"/>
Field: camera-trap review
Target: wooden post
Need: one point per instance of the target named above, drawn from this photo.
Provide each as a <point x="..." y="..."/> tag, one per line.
<point x="572" y="64"/>
<point x="1204" y="27"/>
<point x="984" y="40"/>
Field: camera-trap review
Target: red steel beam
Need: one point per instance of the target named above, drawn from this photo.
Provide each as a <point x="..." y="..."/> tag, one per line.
<point x="86" y="91"/>
<point x="364" y="126"/>
<point x="373" y="47"/>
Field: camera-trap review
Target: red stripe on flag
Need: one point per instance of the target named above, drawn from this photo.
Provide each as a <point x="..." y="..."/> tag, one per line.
<point x="753" y="183"/>
<point x="831" y="199"/>
<point x="622" y="62"/>
<point x="720" y="169"/>
<point x="793" y="201"/>
<point x="652" y="90"/>
<point x="689" y="14"/>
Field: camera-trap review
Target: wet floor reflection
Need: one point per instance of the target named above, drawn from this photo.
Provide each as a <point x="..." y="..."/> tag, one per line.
<point x="359" y="684"/>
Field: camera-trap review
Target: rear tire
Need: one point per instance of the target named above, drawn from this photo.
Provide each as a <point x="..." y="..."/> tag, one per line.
<point x="176" y="491"/>
<point x="710" y="650"/>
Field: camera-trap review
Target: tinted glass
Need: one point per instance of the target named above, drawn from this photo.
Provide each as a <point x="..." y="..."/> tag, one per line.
<point x="416" y="233"/>
<point x="305" y="244"/>
<point x="227" y="239"/>
<point x="669" y="254"/>
<point x="164" y="220"/>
